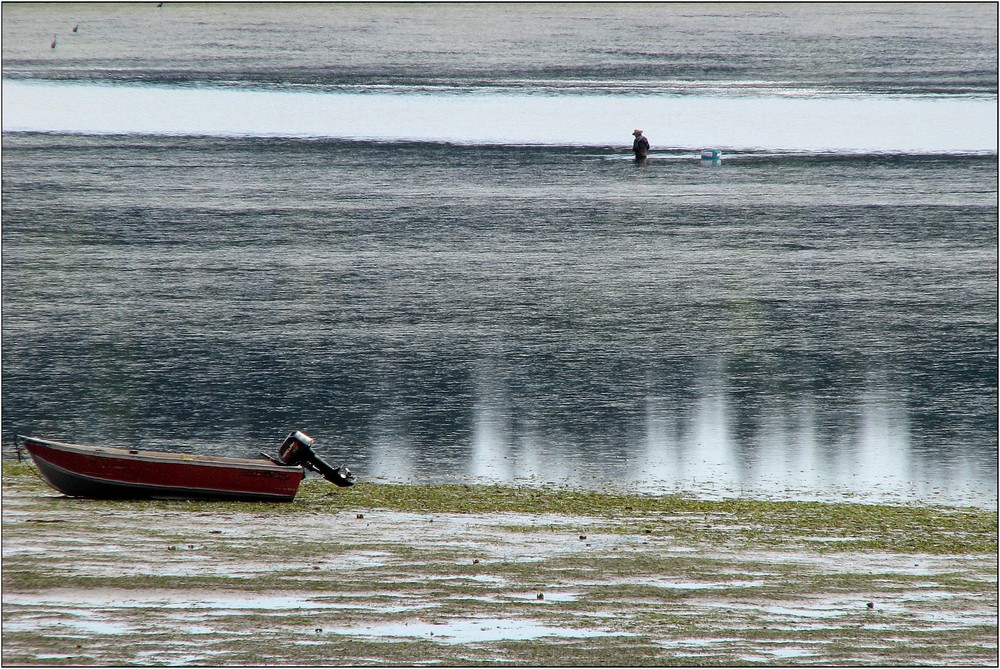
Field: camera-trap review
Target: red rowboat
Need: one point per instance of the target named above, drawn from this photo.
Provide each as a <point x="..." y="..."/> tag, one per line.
<point x="115" y="473"/>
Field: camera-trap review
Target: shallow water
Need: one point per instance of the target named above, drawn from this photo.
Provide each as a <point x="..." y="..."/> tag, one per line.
<point x="472" y="631"/>
<point x="799" y="320"/>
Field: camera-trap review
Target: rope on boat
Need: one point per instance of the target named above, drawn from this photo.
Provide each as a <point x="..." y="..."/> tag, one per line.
<point x="18" y="447"/>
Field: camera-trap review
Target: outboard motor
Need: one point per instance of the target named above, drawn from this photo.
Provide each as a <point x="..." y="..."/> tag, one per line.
<point x="297" y="450"/>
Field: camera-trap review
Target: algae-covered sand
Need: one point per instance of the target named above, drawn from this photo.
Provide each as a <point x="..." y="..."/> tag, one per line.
<point x="463" y="575"/>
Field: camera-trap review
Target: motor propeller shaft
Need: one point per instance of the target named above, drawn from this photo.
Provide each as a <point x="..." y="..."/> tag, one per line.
<point x="297" y="450"/>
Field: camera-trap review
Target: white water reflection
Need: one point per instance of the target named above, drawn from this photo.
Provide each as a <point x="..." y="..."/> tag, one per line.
<point x="694" y="450"/>
<point x="392" y="457"/>
<point x="786" y="122"/>
<point x="709" y="448"/>
<point x="882" y="452"/>
<point x="691" y="455"/>
<point x="491" y="451"/>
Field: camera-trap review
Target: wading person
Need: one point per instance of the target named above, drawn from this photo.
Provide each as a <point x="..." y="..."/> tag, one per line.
<point x="640" y="146"/>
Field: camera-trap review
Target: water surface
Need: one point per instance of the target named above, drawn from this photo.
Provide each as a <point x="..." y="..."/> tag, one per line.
<point x="437" y="297"/>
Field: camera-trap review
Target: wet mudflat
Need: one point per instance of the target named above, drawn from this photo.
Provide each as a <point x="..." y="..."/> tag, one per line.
<point x="364" y="577"/>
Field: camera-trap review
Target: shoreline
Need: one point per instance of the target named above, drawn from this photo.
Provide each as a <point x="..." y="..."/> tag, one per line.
<point x="457" y="575"/>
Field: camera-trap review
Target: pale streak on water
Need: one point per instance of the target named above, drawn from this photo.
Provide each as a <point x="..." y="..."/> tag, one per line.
<point x="809" y="123"/>
<point x="815" y="317"/>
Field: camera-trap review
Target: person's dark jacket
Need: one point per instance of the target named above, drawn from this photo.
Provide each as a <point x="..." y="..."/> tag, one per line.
<point x="641" y="147"/>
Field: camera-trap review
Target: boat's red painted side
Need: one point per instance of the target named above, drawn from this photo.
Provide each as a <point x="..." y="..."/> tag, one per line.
<point x="92" y="471"/>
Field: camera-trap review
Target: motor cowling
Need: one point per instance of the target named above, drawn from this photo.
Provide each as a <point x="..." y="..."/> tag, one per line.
<point x="295" y="448"/>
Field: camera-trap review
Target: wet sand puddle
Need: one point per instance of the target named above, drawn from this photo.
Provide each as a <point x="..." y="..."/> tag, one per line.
<point x="472" y="631"/>
<point x="169" y="584"/>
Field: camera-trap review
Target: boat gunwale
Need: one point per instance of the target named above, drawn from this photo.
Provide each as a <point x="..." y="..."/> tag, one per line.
<point x="193" y="460"/>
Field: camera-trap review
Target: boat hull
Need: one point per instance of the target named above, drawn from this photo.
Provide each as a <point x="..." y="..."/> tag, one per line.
<point x="113" y="473"/>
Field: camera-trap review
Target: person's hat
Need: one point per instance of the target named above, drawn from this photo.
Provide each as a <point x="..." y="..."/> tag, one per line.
<point x="637" y="132"/>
